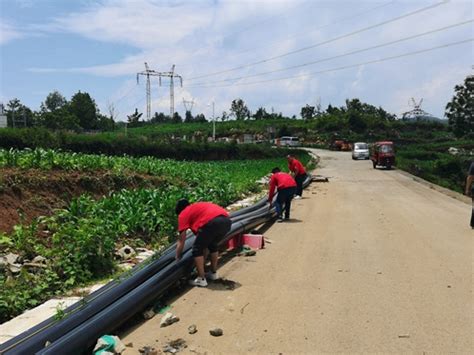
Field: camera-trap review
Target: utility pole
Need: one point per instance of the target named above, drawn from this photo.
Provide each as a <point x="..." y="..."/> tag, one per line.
<point x="24" y="117"/>
<point x="213" y="123"/>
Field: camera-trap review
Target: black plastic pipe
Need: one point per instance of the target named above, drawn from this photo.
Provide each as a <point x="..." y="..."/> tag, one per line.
<point x="86" y="334"/>
<point x="51" y="329"/>
<point x="107" y="320"/>
<point x="248" y="209"/>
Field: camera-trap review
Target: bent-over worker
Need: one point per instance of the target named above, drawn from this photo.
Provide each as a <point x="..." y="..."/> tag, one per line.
<point x="469" y="188"/>
<point x="299" y="172"/>
<point x="286" y="187"/>
<point x="210" y="223"/>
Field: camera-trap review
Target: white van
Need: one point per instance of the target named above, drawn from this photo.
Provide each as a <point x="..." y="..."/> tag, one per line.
<point x="360" y="150"/>
<point x="289" y="141"/>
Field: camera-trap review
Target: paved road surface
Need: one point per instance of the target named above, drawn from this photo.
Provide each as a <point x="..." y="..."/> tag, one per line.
<point x="371" y="262"/>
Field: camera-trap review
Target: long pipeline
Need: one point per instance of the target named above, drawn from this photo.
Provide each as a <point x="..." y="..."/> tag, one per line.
<point x="51" y="329"/>
<point x="107" y="320"/>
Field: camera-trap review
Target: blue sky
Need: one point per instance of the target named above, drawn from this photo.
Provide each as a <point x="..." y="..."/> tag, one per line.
<point x="225" y="49"/>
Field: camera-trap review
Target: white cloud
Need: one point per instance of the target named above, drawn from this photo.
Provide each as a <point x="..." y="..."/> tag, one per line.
<point x="8" y="33"/>
<point x="357" y="83"/>
<point x="25" y="4"/>
<point x="203" y="37"/>
<point x="142" y="24"/>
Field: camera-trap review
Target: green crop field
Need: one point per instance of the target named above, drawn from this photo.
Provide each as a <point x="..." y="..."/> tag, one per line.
<point x="79" y="241"/>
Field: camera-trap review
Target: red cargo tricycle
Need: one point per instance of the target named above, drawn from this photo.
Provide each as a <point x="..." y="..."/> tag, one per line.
<point x="382" y="154"/>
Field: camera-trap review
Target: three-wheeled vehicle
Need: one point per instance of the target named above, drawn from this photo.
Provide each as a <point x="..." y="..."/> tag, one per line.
<point x="382" y="154"/>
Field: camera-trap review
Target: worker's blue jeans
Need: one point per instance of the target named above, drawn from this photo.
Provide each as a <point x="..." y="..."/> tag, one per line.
<point x="283" y="201"/>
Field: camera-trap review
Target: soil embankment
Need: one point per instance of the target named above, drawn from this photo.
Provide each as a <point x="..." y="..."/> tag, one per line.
<point x="26" y="194"/>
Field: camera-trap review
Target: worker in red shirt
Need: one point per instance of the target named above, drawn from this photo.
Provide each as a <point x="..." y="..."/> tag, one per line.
<point x="286" y="187"/>
<point x="210" y="223"/>
<point x="299" y="172"/>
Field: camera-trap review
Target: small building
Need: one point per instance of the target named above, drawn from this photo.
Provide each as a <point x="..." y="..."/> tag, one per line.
<point x="249" y="138"/>
<point x="3" y="117"/>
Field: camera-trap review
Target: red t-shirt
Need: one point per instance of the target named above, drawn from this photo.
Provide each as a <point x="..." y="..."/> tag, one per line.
<point x="198" y="214"/>
<point x="295" y="166"/>
<point x="280" y="181"/>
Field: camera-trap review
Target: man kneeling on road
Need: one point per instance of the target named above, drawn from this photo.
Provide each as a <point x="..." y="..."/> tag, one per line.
<point x="286" y="187"/>
<point x="210" y="223"/>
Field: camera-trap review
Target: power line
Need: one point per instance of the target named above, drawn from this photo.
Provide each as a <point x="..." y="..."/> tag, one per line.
<point x="139" y="101"/>
<point x="336" y="21"/>
<point x="265" y="20"/>
<point x="426" y="8"/>
<point x="339" y="55"/>
<point x="120" y="98"/>
<point x="347" y="66"/>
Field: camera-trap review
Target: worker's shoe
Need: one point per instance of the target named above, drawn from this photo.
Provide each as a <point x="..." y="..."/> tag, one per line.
<point x="198" y="281"/>
<point x="297" y="197"/>
<point x="279" y="219"/>
<point x="213" y="276"/>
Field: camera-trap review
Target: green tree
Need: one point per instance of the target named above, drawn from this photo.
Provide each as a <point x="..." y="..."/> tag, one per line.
<point x="260" y="114"/>
<point x="188" y="117"/>
<point x="19" y="115"/>
<point x="160" y="118"/>
<point x="284" y="131"/>
<point x="53" y="102"/>
<point x="460" y="111"/>
<point x="60" y="118"/>
<point x="84" y="108"/>
<point x="134" y="118"/>
<point x="224" y="116"/>
<point x="200" y="118"/>
<point x="308" y="112"/>
<point x="55" y="113"/>
<point x="177" y="118"/>
<point x="105" y="123"/>
<point x="356" y="121"/>
<point x="239" y="110"/>
<point x="332" y="110"/>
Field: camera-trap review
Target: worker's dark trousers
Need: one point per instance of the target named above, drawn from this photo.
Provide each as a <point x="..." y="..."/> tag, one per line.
<point x="299" y="183"/>
<point x="472" y="214"/>
<point x="211" y="234"/>
<point x="284" y="197"/>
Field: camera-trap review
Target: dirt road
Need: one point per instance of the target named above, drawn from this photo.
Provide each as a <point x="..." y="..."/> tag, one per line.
<point x="371" y="262"/>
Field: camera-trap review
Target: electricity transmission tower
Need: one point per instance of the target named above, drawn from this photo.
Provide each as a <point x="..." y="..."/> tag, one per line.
<point x="171" y="74"/>
<point x="188" y="104"/>
<point x="417" y="112"/>
<point x="147" y="72"/>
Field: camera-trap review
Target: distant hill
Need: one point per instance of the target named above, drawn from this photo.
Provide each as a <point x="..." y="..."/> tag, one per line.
<point x="413" y="118"/>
